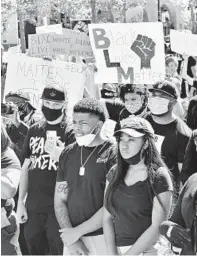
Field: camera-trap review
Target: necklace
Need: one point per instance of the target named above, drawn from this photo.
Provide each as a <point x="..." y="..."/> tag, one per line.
<point x="82" y="168"/>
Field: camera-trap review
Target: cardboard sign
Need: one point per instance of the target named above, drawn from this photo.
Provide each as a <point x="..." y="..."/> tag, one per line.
<point x="128" y="53"/>
<point x="56" y="29"/>
<point x="30" y="75"/>
<point x="183" y="43"/>
<point x="68" y="43"/>
<point x="80" y="25"/>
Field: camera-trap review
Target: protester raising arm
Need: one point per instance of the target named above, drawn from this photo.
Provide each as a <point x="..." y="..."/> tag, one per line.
<point x="23" y="187"/>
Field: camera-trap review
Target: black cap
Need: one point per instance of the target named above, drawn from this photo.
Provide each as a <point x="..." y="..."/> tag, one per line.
<point x="53" y="94"/>
<point x="166" y="87"/>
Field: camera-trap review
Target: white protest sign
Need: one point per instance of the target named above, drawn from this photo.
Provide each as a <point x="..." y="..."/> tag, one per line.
<point x="30" y="75"/>
<point x="69" y="43"/>
<point x="128" y="53"/>
<point x="183" y="43"/>
<point x="56" y="28"/>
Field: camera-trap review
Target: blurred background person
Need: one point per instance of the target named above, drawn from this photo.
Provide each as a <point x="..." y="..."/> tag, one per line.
<point x="10" y="176"/>
<point x="190" y="159"/>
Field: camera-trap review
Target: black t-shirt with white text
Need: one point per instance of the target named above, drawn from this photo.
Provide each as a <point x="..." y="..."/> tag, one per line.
<point x="42" y="170"/>
<point x="86" y="192"/>
<point x="174" y="137"/>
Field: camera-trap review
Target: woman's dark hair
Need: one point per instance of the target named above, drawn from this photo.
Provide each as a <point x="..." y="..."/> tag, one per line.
<point x="90" y="106"/>
<point x="5" y="140"/>
<point x="152" y="160"/>
<point x="190" y="160"/>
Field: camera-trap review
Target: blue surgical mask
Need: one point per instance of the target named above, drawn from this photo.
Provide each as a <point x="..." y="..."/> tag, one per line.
<point x="87" y="139"/>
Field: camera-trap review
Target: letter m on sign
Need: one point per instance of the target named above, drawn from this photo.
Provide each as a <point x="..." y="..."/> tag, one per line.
<point x="126" y="76"/>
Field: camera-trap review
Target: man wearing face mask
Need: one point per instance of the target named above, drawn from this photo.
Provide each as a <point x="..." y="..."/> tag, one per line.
<point x="80" y="185"/>
<point x="38" y="175"/>
<point x="172" y="134"/>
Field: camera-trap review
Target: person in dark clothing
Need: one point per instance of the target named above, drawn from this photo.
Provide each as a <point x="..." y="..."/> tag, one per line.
<point x="181" y="230"/>
<point x="39" y="171"/>
<point x="192" y="71"/>
<point x="81" y="178"/>
<point x="172" y="133"/>
<point x="28" y="113"/>
<point x="134" y="101"/>
<point x="10" y="176"/>
<point x="139" y="192"/>
<point x="192" y="113"/>
<point x="190" y="159"/>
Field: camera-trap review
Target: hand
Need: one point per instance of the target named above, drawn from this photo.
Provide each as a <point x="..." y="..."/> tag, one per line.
<point x="56" y="151"/>
<point x="144" y="47"/>
<point x="16" y="117"/>
<point x="177" y="236"/>
<point x="21" y="213"/>
<point x="70" y="235"/>
<point x="78" y="248"/>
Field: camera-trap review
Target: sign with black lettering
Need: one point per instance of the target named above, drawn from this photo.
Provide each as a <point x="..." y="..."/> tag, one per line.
<point x="30" y="75"/>
<point x="128" y="53"/>
<point x="66" y="44"/>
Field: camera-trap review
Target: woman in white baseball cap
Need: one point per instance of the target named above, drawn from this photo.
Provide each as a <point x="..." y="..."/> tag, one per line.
<point x="139" y="191"/>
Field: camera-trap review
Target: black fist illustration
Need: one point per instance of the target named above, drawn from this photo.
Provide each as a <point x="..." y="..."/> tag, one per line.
<point x="144" y="47"/>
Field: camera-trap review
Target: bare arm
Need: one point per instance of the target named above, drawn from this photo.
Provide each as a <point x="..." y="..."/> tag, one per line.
<point x="194" y="71"/>
<point x="24" y="181"/>
<point x="60" y="203"/>
<point x="150" y="236"/>
<point x="9" y="182"/>
<point x="108" y="229"/>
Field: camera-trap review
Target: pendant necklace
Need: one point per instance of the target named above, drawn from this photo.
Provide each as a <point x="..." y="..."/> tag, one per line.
<point x="82" y="168"/>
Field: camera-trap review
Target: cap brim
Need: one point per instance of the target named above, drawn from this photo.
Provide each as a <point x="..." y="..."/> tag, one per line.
<point x="158" y="90"/>
<point x="131" y="132"/>
<point x="43" y="98"/>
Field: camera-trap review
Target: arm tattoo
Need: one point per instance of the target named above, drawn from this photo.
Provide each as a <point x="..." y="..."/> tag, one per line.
<point x="62" y="188"/>
<point x="62" y="215"/>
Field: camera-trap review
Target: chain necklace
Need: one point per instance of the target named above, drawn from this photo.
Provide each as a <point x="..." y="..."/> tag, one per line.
<point x="82" y="168"/>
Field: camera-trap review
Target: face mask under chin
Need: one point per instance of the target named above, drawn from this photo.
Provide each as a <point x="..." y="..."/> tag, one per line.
<point x="87" y="139"/>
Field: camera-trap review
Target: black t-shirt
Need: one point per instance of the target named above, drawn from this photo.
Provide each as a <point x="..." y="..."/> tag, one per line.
<point x="9" y="160"/>
<point x="42" y="170"/>
<point x="191" y="63"/>
<point x="86" y="192"/>
<point x="133" y="205"/>
<point x="175" y="137"/>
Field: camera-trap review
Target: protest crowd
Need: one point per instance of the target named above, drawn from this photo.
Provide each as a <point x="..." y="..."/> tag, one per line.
<point x="99" y="155"/>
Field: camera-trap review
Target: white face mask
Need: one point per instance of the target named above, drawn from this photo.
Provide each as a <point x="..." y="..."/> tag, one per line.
<point x="87" y="139"/>
<point x="158" y="106"/>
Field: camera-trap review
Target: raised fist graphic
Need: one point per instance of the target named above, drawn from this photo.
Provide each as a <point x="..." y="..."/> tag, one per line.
<point x="144" y="47"/>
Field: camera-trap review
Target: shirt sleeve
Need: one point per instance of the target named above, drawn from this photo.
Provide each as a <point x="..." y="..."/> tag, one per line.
<point x="9" y="160"/>
<point x="163" y="181"/>
<point x="114" y="108"/>
<point x="26" y="152"/>
<point x="183" y="135"/>
<point x="62" y="165"/>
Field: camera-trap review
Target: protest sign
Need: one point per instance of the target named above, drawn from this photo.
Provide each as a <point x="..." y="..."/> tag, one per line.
<point x="81" y="25"/>
<point x="30" y="75"/>
<point x="128" y="53"/>
<point x="136" y="14"/>
<point x="69" y="43"/>
<point x="56" y="29"/>
<point x="183" y="43"/>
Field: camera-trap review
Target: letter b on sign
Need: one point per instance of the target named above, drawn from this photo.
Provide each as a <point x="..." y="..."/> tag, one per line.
<point x="101" y="41"/>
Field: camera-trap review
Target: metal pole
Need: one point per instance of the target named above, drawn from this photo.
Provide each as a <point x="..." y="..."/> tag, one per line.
<point x="159" y="10"/>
